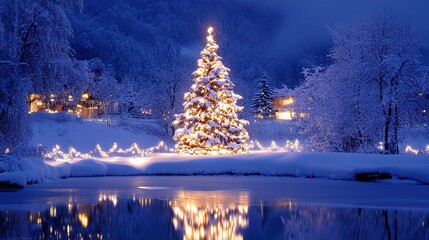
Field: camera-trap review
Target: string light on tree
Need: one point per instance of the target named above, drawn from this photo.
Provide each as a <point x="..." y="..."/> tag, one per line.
<point x="210" y="124"/>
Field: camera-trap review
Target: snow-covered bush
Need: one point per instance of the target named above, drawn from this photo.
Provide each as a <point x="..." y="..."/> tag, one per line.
<point x="24" y="150"/>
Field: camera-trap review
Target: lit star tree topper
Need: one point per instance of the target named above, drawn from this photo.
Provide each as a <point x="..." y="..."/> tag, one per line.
<point x="210" y="123"/>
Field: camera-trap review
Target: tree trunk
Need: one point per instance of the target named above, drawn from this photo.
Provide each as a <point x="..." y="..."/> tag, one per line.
<point x="386" y="129"/>
<point x="394" y="142"/>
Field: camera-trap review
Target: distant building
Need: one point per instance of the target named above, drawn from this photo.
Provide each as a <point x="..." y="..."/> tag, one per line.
<point x="36" y="103"/>
<point x="51" y="103"/>
<point x="86" y="107"/>
<point x="283" y="108"/>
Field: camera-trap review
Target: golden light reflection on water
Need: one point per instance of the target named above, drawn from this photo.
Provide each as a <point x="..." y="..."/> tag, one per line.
<point x="206" y="215"/>
<point x="83" y="219"/>
<point x="53" y="211"/>
<point x="109" y="197"/>
<point x="210" y="215"/>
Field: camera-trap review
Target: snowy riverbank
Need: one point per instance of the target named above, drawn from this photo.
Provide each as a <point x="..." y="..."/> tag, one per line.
<point x="69" y="131"/>
<point x="341" y="166"/>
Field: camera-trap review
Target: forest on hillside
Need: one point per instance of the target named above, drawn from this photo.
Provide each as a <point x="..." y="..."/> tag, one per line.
<point x="140" y="55"/>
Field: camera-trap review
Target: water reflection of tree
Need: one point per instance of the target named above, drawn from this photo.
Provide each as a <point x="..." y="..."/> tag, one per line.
<point x="129" y="219"/>
<point x="113" y="218"/>
<point x="210" y="215"/>
<point x="286" y="221"/>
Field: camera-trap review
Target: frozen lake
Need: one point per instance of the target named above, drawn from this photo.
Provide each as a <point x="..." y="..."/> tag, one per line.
<point x="204" y="207"/>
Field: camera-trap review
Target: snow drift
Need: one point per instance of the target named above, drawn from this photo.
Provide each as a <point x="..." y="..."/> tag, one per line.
<point x="339" y="166"/>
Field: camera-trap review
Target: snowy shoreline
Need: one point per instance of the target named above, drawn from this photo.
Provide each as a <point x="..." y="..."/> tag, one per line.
<point x="336" y="166"/>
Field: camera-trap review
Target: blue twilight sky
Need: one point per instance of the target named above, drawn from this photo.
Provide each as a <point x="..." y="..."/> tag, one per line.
<point x="306" y="21"/>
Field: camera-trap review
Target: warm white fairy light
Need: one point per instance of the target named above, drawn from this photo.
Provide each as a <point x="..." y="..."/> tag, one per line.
<point x="135" y="151"/>
<point x="293" y="146"/>
<point x="380" y="146"/>
<point x="290" y="146"/>
<point x="409" y="149"/>
<point x="274" y="146"/>
<point x="98" y="152"/>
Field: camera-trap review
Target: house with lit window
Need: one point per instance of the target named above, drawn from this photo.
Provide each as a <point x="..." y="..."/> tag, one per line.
<point x="283" y="107"/>
<point x="36" y="103"/>
<point x="86" y="107"/>
<point x="50" y="103"/>
<point x="89" y="107"/>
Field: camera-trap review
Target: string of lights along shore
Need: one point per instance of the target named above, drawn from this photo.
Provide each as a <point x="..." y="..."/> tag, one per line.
<point x="209" y="124"/>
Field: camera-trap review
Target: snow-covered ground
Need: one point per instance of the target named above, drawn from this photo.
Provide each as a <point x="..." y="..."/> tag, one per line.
<point x="266" y="131"/>
<point x="68" y="131"/>
<point x="345" y="166"/>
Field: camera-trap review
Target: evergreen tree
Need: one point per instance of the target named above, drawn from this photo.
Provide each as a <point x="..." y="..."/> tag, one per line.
<point x="210" y="124"/>
<point x="263" y="101"/>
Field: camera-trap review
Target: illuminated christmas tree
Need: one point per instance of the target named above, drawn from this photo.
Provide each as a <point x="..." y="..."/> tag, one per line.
<point x="210" y="124"/>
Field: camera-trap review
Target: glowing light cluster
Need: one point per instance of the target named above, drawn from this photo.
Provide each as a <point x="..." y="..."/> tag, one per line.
<point x="109" y="197"/>
<point x="52" y="211"/>
<point x="98" y="152"/>
<point x="380" y="146"/>
<point x="409" y="149"/>
<point x="289" y="146"/>
<point x="83" y="219"/>
<point x="209" y="124"/>
<point x="209" y="216"/>
<point x="136" y="151"/>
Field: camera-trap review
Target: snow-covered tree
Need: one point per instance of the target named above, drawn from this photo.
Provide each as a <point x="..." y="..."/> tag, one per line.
<point x="130" y="96"/>
<point x="168" y="88"/>
<point x="321" y="98"/>
<point x="368" y="92"/>
<point x="15" y="129"/>
<point x="263" y="101"/>
<point x="34" y="56"/>
<point x="210" y="123"/>
<point x="104" y="87"/>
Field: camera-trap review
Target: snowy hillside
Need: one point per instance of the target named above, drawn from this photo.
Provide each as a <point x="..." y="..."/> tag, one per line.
<point x="69" y="131"/>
